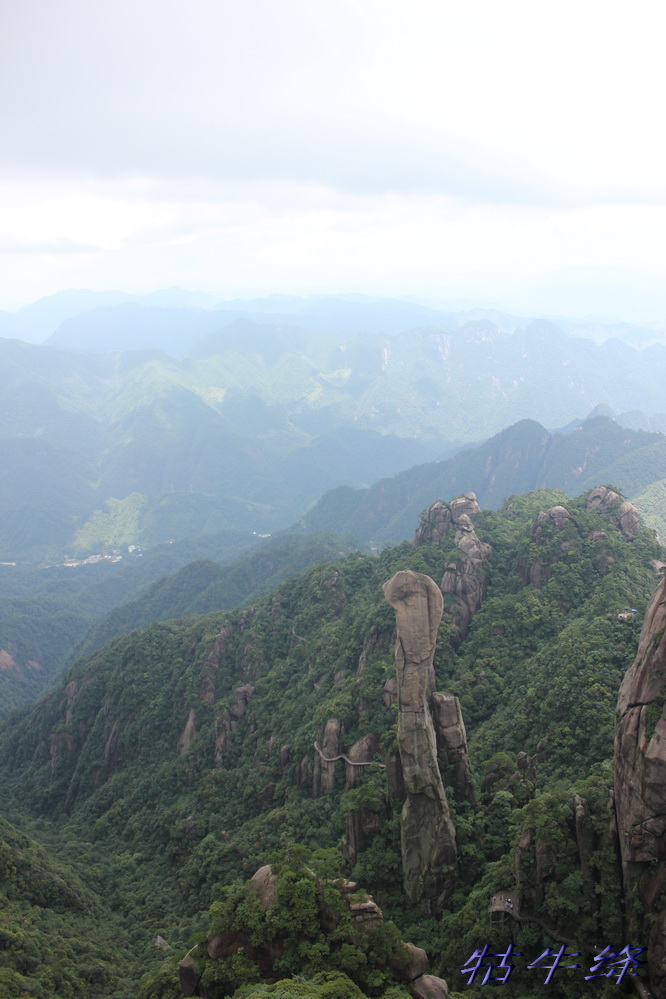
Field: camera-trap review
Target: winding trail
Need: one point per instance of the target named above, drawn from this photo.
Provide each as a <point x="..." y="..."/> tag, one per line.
<point x="345" y="758"/>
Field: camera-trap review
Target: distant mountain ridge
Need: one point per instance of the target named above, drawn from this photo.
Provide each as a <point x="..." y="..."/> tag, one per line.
<point x="520" y="459"/>
<point x="85" y="319"/>
<point x="250" y="428"/>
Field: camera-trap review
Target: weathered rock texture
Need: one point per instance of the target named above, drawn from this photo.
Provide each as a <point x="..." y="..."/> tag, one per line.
<point x="602" y="498"/>
<point x="330" y="748"/>
<point x="361" y="827"/>
<point x="429" y="987"/>
<point x="640" y="790"/>
<point x="465" y="577"/>
<point x="441" y="518"/>
<point x="626" y="517"/>
<point x="427" y="833"/>
<point x="452" y="745"/>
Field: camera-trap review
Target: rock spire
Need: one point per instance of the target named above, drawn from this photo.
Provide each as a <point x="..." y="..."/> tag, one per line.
<point x="428" y="841"/>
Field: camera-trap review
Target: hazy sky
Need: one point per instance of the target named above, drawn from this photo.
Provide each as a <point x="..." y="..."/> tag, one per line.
<point x="499" y="151"/>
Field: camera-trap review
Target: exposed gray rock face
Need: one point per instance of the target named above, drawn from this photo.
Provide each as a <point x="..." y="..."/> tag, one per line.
<point x="189" y="733"/>
<point x="361" y="827"/>
<point x="330" y="748"/>
<point x="429" y="987"/>
<point x="189" y="976"/>
<point x="441" y="518"/>
<point x="626" y="518"/>
<point x="602" y="498"/>
<point x="465" y="579"/>
<point x="417" y="965"/>
<point x="640" y="789"/>
<point x="428" y="843"/>
<point x="558" y="516"/>
<point x="390" y="694"/>
<point x="363" y="751"/>
<point x="452" y="745"/>
<point x="265" y="885"/>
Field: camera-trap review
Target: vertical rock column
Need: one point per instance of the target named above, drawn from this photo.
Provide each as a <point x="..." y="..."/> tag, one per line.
<point x="640" y="791"/>
<point x="428" y="839"/>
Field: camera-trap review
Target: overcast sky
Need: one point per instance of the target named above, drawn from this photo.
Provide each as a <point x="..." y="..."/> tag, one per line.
<point x="494" y="151"/>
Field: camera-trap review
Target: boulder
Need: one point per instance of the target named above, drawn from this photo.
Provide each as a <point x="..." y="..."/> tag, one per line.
<point x="429" y="987"/>
<point x="441" y="518"/>
<point x="265" y="884"/>
<point x="412" y="964"/>
<point x="602" y="498"/>
<point x="188" y="976"/>
<point x="628" y="520"/>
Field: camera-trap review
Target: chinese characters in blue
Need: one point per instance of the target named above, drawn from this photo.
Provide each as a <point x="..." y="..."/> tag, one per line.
<point x="498" y="967"/>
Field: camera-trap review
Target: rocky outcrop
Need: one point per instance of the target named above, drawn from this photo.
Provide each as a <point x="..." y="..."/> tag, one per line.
<point x="264" y="883"/>
<point x="189" y="977"/>
<point x="361" y="753"/>
<point x="557" y="517"/>
<point x="349" y="917"/>
<point x="227" y="722"/>
<point x="452" y="746"/>
<point x="429" y="987"/>
<point x="640" y="789"/>
<point x="628" y="521"/>
<point x="625" y="516"/>
<point x="428" y="845"/>
<point x="189" y="733"/>
<point x="602" y="498"/>
<point x="330" y="748"/>
<point x="465" y="576"/>
<point x="361" y="827"/>
<point x="465" y="579"/>
<point x="220" y="647"/>
<point x="441" y="518"/>
<point x="71" y="690"/>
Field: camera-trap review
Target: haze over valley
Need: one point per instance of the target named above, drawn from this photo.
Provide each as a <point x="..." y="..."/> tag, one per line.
<point x="332" y="500"/>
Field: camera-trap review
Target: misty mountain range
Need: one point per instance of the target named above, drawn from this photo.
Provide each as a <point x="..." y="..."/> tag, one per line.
<point x="173" y="319"/>
<point x="256" y="421"/>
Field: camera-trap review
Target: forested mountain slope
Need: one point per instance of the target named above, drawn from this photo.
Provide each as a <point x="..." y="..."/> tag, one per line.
<point x="248" y="429"/>
<point x="186" y="752"/>
<point x="63" y="613"/>
<point x="521" y="458"/>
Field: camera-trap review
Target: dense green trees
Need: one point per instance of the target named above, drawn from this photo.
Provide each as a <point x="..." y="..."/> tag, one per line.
<point x="177" y="760"/>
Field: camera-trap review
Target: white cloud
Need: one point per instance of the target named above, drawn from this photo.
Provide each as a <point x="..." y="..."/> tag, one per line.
<point x="375" y="145"/>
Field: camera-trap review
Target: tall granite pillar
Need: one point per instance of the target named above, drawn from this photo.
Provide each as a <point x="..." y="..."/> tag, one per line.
<point x="640" y="791"/>
<point x="428" y="839"/>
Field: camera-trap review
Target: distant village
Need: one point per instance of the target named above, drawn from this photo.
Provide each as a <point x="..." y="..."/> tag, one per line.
<point x="115" y="555"/>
